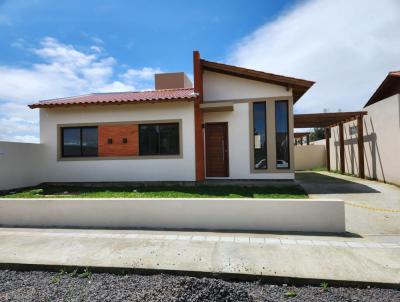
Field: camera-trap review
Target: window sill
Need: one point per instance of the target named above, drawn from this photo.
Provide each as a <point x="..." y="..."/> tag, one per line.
<point x="135" y="157"/>
<point x="268" y="171"/>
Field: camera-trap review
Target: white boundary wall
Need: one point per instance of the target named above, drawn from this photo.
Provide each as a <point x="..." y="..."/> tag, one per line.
<point x="381" y="142"/>
<point x="302" y="215"/>
<point x="20" y="165"/>
<point x="307" y="157"/>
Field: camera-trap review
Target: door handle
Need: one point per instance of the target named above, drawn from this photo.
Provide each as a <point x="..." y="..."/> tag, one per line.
<point x="223" y="150"/>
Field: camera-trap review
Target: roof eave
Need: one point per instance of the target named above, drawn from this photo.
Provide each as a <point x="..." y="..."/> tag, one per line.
<point x="299" y="86"/>
<point x="155" y="101"/>
<point x="373" y="99"/>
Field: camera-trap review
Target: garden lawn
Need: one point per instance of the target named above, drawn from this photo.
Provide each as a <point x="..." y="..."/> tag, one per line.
<point x="197" y="191"/>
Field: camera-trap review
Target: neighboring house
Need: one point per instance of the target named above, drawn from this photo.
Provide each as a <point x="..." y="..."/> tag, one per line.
<point x="235" y="123"/>
<point x="381" y="135"/>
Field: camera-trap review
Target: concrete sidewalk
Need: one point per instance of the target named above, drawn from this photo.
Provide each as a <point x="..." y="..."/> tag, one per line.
<point x="310" y="257"/>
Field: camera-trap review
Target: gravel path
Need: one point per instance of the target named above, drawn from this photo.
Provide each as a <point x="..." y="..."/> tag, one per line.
<point x="78" y="286"/>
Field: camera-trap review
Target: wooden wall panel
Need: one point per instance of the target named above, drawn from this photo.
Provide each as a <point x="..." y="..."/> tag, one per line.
<point x="117" y="133"/>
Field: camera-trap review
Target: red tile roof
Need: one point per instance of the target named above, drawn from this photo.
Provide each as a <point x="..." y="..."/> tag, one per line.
<point x="117" y="98"/>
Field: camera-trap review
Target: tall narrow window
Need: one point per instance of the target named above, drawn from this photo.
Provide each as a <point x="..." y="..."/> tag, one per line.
<point x="260" y="135"/>
<point x="282" y="134"/>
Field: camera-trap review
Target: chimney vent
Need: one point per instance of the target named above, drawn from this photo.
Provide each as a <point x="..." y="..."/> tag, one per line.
<point x="172" y="80"/>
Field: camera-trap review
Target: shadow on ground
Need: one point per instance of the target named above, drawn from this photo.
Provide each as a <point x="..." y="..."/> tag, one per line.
<point x="316" y="183"/>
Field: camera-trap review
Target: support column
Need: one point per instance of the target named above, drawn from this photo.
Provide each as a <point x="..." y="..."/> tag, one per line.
<point x="198" y="116"/>
<point x="308" y="139"/>
<point x="360" y="141"/>
<point x="341" y="148"/>
<point x="328" y="151"/>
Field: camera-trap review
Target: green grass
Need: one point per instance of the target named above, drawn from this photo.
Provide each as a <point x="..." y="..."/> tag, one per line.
<point x="291" y="294"/>
<point x="197" y="191"/>
<point x="319" y="169"/>
<point x="347" y="174"/>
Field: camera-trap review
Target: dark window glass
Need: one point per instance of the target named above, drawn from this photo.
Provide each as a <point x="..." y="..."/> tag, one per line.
<point x="159" y="139"/>
<point x="148" y="140"/>
<point x="169" y="139"/>
<point x="89" y="141"/>
<point x="79" y="141"/>
<point x="282" y="134"/>
<point x="71" y="142"/>
<point x="259" y="133"/>
<point x="353" y="130"/>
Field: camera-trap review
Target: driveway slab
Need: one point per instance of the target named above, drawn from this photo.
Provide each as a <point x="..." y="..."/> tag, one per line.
<point x="372" y="208"/>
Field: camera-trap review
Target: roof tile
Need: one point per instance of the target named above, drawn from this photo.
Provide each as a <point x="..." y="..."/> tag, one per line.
<point x="167" y="95"/>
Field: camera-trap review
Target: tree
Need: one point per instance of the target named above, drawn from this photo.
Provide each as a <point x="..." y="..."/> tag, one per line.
<point x="317" y="134"/>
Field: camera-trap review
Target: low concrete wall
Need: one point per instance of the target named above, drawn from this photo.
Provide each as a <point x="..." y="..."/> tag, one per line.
<point x="303" y="215"/>
<point x="20" y="165"/>
<point x="307" y="157"/>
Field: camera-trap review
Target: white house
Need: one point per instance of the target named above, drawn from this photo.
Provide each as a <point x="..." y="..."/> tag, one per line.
<point x="235" y="123"/>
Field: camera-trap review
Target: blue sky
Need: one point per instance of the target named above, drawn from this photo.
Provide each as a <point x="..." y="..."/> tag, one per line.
<point x="136" y="33"/>
<point x="63" y="48"/>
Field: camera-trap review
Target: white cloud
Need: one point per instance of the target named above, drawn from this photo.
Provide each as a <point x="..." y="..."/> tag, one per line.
<point x="26" y="139"/>
<point x="96" y="49"/>
<point x="115" y="86"/>
<point x="97" y="40"/>
<point x="141" y="78"/>
<point x="346" y="46"/>
<point x="64" y="71"/>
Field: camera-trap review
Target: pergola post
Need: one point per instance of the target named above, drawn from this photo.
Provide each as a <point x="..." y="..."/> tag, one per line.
<point x="341" y="148"/>
<point x="360" y="141"/>
<point x="328" y="152"/>
<point x="308" y="139"/>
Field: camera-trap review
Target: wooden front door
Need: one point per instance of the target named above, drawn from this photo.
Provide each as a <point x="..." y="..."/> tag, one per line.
<point x="217" y="155"/>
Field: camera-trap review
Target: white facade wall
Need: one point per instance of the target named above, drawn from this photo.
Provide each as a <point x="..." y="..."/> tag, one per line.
<point x="103" y="169"/>
<point x="219" y="88"/>
<point x="21" y="165"/>
<point x="381" y="142"/>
